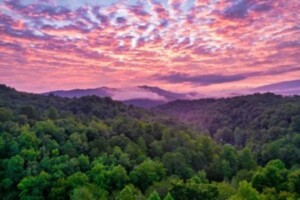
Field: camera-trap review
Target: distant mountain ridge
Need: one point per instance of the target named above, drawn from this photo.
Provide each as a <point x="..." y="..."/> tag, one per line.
<point x="147" y="96"/>
<point x="141" y="96"/>
<point x="101" y="92"/>
<point x="284" y="88"/>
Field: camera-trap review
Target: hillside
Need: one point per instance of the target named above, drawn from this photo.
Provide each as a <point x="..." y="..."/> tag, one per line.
<point x="241" y="111"/>
<point x="252" y="120"/>
<point x="96" y="148"/>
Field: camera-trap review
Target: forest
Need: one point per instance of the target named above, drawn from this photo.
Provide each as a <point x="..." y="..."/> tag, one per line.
<point x="240" y="148"/>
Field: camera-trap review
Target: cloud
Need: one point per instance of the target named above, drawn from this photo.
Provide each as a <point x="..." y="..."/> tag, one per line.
<point x="261" y="7"/>
<point x="289" y="44"/>
<point x="135" y="93"/>
<point x="238" y="9"/>
<point x="207" y="79"/>
<point x="210" y="79"/>
<point x="202" y="42"/>
<point x="281" y="70"/>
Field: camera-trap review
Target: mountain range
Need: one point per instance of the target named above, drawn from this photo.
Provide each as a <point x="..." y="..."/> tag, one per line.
<point x="148" y="97"/>
<point x="284" y="88"/>
<point x="141" y="96"/>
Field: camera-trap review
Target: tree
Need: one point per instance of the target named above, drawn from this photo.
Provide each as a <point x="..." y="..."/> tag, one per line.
<point x="226" y="169"/>
<point x="245" y="192"/>
<point x="117" y="177"/>
<point x="29" y="111"/>
<point x="273" y="175"/>
<point x="97" y="175"/>
<point x="154" y="196"/>
<point x="239" y="137"/>
<point x="246" y="159"/>
<point x="224" y="135"/>
<point x="14" y="171"/>
<point x="82" y="193"/>
<point x="29" y="154"/>
<point x="294" y="181"/>
<point x="6" y="114"/>
<point x="2" y="147"/>
<point x="162" y="187"/>
<point x="226" y="190"/>
<point x="191" y="190"/>
<point x="128" y="193"/>
<point x="176" y="164"/>
<point x="169" y="197"/>
<point x="229" y="158"/>
<point x="217" y="169"/>
<point x="208" y="147"/>
<point x="200" y="177"/>
<point x="28" y="139"/>
<point x="34" y="187"/>
<point x="146" y="173"/>
<point x="78" y="179"/>
<point x="295" y="125"/>
<point x="45" y="127"/>
<point x="84" y="163"/>
<point x="52" y="113"/>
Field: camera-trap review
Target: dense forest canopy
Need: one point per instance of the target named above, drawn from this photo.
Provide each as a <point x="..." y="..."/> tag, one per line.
<point x="263" y="122"/>
<point x="96" y="148"/>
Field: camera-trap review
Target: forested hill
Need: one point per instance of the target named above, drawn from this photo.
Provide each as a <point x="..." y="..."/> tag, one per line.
<point x="258" y="118"/>
<point x="34" y="106"/>
<point x="96" y="148"/>
<point x="255" y="111"/>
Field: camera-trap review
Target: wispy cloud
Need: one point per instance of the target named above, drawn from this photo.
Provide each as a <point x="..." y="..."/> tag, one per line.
<point x="206" y="79"/>
<point x="210" y="79"/>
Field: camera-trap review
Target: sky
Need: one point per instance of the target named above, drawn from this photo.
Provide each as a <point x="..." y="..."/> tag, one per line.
<point x="207" y="46"/>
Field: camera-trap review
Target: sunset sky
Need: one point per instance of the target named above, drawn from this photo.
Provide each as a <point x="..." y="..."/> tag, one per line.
<point x="207" y="46"/>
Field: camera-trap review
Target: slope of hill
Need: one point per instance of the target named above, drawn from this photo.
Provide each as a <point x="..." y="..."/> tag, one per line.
<point x="256" y="115"/>
<point x="35" y="104"/>
<point x="144" y="103"/>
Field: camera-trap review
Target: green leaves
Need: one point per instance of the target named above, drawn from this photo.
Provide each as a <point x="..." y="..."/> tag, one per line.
<point x="93" y="148"/>
<point x="109" y="177"/>
<point x="154" y="196"/>
<point x="191" y="190"/>
<point x="5" y="114"/>
<point x="294" y="181"/>
<point x="245" y="192"/>
<point x="129" y="192"/>
<point x="169" y="197"/>
<point x="273" y="175"/>
<point x="146" y="173"/>
<point x="246" y="159"/>
<point x="33" y="187"/>
<point x="76" y="180"/>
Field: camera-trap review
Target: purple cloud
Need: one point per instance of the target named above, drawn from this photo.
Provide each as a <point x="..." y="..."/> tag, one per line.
<point x="238" y="9"/>
<point x="210" y="79"/>
<point x="207" y="79"/>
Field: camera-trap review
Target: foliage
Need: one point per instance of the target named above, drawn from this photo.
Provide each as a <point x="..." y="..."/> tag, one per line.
<point x="96" y="148"/>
